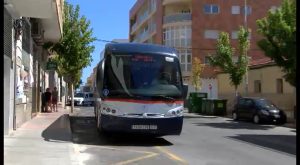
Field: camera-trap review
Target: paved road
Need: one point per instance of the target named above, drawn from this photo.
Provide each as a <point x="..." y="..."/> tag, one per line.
<point x="204" y="141"/>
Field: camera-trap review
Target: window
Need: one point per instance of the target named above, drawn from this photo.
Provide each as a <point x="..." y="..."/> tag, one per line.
<point x="211" y="9"/>
<point x="257" y="86"/>
<point x="273" y="9"/>
<point x="180" y="37"/>
<point x="279" y="85"/>
<point x="249" y="37"/>
<point x="235" y="9"/>
<point x="211" y="34"/>
<point x="241" y="102"/>
<point x="247" y="10"/>
<point x="206" y="60"/>
<point x="234" y="35"/>
<point x="248" y="103"/>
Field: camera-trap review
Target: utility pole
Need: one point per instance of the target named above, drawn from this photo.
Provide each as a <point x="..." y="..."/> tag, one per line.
<point x="246" y="54"/>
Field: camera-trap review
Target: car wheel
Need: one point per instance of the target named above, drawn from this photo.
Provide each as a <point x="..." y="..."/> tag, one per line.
<point x="235" y="116"/>
<point x="256" y="119"/>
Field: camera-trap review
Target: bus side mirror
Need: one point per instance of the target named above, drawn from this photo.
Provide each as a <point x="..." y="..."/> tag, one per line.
<point x="185" y="90"/>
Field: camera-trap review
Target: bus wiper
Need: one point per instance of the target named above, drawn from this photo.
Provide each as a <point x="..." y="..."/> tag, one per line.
<point x="165" y="97"/>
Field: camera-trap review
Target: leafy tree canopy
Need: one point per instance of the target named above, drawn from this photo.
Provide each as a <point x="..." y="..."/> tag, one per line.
<point x="279" y="42"/>
<point x="224" y="57"/>
<point x="74" y="48"/>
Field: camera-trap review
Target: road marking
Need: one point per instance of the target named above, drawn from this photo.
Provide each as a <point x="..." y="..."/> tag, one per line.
<point x="136" y="159"/>
<point x="171" y="155"/>
<point x="79" y="148"/>
<point x="81" y="157"/>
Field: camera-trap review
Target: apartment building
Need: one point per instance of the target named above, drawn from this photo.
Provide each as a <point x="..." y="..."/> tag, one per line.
<point x="193" y="26"/>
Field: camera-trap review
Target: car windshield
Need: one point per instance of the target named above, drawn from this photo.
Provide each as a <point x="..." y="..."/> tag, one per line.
<point x="78" y="95"/>
<point x="263" y="103"/>
<point x="142" y="76"/>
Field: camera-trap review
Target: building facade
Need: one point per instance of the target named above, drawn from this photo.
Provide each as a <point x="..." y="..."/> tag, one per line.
<point x="265" y="80"/>
<point x="193" y="27"/>
<point x="27" y="27"/>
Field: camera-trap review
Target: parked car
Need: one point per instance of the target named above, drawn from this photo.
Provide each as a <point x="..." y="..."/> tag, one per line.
<point x="82" y="98"/>
<point x="258" y="110"/>
<point x="88" y="99"/>
<point x="79" y="98"/>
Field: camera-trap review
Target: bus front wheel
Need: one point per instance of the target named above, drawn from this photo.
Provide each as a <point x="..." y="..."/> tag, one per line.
<point x="99" y="125"/>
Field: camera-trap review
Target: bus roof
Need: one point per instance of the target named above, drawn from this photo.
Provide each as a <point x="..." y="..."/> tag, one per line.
<point x="140" y="48"/>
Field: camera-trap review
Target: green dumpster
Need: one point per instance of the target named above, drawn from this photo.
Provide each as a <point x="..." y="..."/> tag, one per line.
<point x="195" y="101"/>
<point x="215" y="107"/>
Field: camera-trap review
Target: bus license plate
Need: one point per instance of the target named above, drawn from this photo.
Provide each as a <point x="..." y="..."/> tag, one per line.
<point x="144" y="127"/>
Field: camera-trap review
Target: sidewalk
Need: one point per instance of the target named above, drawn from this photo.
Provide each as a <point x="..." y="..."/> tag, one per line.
<point x="45" y="139"/>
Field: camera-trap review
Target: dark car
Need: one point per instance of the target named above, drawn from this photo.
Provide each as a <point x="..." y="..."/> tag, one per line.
<point x="258" y="110"/>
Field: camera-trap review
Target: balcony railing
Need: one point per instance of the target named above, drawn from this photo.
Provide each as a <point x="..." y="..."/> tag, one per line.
<point x="179" y="17"/>
<point x="143" y="17"/>
<point x="145" y="35"/>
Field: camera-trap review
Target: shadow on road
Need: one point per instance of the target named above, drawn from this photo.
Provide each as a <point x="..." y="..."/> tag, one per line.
<point x="282" y="143"/>
<point x="236" y="125"/>
<point x="84" y="131"/>
<point x="59" y="130"/>
<point x="198" y="116"/>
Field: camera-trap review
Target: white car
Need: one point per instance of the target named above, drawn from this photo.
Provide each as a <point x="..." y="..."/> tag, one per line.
<point x="79" y="99"/>
<point x="82" y="98"/>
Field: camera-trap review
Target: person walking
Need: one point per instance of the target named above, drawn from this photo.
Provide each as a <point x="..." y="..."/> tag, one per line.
<point x="43" y="102"/>
<point x="54" y="99"/>
<point x="48" y="100"/>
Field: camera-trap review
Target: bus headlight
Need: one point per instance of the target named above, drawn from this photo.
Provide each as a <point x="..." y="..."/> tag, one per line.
<point x="107" y="110"/>
<point x="175" y="112"/>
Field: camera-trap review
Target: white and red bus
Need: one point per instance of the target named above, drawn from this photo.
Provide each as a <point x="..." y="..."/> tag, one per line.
<point x="139" y="89"/>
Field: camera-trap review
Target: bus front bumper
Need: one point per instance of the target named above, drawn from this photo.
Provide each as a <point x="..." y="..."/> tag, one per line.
<point x="155" y="126"/>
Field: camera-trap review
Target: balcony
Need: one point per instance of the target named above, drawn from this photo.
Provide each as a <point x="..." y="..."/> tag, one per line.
<point x="49" y="11"/>
<point x="143" y="18"/>
<point x="168" y="2"/>
<point x="142" y="37"/>
<point x="179" y="17"/>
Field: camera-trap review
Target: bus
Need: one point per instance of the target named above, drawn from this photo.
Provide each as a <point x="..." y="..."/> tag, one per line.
<point x="139" y="89"/>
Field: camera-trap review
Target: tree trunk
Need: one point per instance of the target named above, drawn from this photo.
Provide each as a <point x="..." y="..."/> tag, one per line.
<point x="66" y="94"/>
<point x="72" y="98"/>
<point x="235" y="90"/>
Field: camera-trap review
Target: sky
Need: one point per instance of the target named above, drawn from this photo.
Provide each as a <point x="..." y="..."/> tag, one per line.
<point x="109" y="20"/>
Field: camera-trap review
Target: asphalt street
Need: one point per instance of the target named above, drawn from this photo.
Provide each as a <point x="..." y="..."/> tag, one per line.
<point x="203" y="141"/>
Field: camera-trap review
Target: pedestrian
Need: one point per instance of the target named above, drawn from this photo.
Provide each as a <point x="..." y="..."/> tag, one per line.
<point x="54" y="99"/>
<point x="48" y="100"/>
<point x="236" y="99"/>
<point x="43" y="102"/>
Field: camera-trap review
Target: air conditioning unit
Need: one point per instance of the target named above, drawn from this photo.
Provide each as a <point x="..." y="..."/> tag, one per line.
<point x="37" y="31"/>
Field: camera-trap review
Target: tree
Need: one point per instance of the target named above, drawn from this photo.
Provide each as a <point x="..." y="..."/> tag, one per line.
<point x="77" y="85"/>
<point x="197" y="69"/>
<point x="279" y="42"/>
<point x="224" y="57"/>
<point x="74" y="48"/>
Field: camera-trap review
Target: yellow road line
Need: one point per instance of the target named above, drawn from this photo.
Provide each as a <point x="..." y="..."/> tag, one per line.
<point x="138" y="151"/>
<point x="136" y="159"/>
<point x="171" y="155"/>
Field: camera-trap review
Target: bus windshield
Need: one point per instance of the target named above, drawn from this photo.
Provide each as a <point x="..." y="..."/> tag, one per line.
<point x="142" y="76"/>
